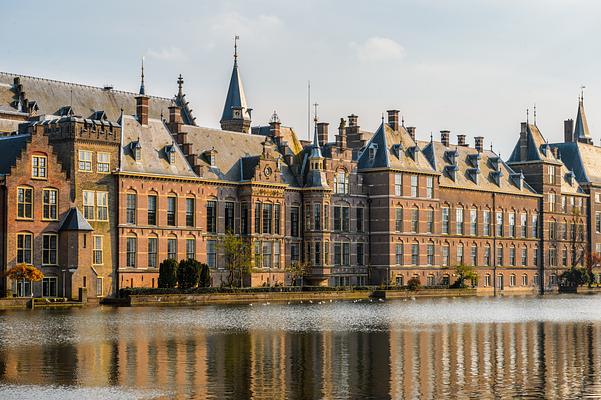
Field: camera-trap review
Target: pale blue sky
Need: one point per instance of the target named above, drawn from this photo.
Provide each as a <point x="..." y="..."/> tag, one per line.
<point x="469" y="66"/>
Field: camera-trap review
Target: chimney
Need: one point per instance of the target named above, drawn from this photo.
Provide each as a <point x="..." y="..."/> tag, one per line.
<point x="322" y="132"/>
<point x="142" y="109"/>
<point x="411" y="132"/>
<point x="274" y="128"/>
<point x="568" y="130"/>
<point x="352" y="120"/>
<point x="523" y="141"/>
<point x="461" y="140"/>
<point x="479" y="143"/>
<point x="393" y="119"/>
<point x="175" y="119"/>
<point x="444" y="138"/>
<point x="341" y="137"/>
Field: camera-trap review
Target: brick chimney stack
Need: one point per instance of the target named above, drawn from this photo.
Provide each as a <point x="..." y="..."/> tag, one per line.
<point x="393" y="119"/>
<point x="568" y="130"/>
<point x="275" y="126"/>
<point x="341" y="137"/>
<point x="523" y="141"/>
<point x="461" y="140"/>
<point x="322" y="132"/>
<point x="142" y="109"/>
<point x="175" y="119"/>
<point x="444" y="138"/>
<point x="411" y="132"/>
<point x="479" y="143"/>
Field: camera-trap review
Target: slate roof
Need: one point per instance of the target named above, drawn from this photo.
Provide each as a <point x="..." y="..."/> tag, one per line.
<point x="538" y="147"/>
<point x="74" y="221"/>
<point x="287" y="133"/>
<point x="393" y="149"/>
<point x="468" y="163"/>
<point x="235" y="97"/>
<point x="52" y="95"/>
<point x="583" y="159"/>
<point x="581" y="131"/>
<point x="154" y="140"/>
<point x="11" y="148"/>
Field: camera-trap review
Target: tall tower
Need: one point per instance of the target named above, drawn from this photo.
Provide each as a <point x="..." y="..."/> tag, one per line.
<point x="236" y="114"/>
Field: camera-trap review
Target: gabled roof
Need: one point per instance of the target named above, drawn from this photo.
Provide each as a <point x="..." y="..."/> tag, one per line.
<point x="393" y="149"/>
<point x="583" y="159"/>
<point x="537" y="147"/>
<point x="235" y="97"/>
<point x="74" y="221"/>
<point x="50" y="96"/>
<point x="11" y="148"/>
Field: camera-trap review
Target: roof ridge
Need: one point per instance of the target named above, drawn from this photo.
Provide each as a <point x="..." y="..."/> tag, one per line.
<point x="77" y="84"/>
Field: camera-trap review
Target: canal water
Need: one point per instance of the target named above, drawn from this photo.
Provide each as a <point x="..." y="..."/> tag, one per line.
<point x="458" y="348"/>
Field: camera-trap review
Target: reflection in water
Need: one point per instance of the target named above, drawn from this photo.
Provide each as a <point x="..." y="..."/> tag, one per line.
<point x="397" y="350"/>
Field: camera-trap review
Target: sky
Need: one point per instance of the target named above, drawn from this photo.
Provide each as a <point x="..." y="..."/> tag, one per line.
<point x="472" y="67"/>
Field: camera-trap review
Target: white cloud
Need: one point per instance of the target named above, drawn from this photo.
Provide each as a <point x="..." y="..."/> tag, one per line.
<point x="232" y="23"/>
<point x="167" y="54"/>
<point x="378" y="49"/>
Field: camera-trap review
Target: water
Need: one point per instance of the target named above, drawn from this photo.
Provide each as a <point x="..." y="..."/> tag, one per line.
<point x="460" y="348"/>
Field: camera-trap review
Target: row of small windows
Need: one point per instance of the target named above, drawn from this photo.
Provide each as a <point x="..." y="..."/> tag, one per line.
<point x="25" y="249"/>
<point x="478" y="256"/>
<point x="317" y="218"/>
<point x="564" y="231"/>
<point x="414" y="190"/>
<point x="334" y="253"/>
<point x="103" y="161"/>
<point x="569" y="204"/>
<point x="25" y="203"/>
<point x="487" y="281"/>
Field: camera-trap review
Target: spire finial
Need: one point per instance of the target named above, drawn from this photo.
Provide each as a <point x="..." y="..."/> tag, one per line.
<point x="534" y="114"/>
<point x="431" y="137"/>
<point x="142" y="91"/>
<point x="403" y="121"/>
<point x="180" y="85"/>
<point x="382" y="118"/>
<point x="315" y="119"/>
<point x="582" y="87"/>
<point x="236" y="38"/>
<point x="527" y="115"/>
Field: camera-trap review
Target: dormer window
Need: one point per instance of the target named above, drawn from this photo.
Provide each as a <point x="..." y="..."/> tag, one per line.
<point x="372" y="150"/>
<point x="170" y="153"/>
<point x="496" y="177"/>
<point x="210" y="156"/>
<point x="398" y="150"/>
<point x="452" y="171"/>
<point x="518" y="180"/>
<point x="452" y="156"/>
<point x="474" y="159"/>
<point x="495" y="163"/>
<point x="414" y="152"/>
<point x="136" y="150"/>
<point x="474" y="174"/>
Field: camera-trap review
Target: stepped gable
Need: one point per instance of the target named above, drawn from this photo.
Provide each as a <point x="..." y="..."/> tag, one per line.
<point x="11" y="148"/>
<point x="49" y="96"/>
<point x="154" y="142"/>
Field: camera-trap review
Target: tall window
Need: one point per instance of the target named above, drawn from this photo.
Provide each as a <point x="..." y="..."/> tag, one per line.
<point x="399" y="254"/>
<point x="430" y="254"/>
<point x="414" y="186"/>
<point x="267" y="217"/>
<point x="486" y="223"/>
<point x="499" y="225"/>
<point x="131" y="251"/>
<point x="190" y="208"/>
<point x="473" y="222"/>
<point x="460" y="259"/>
<point x="102" y="206"/>
<point x="445" y="220"/>
<point x="39" y="168"/>
<point x="212" y="253"/>
<point x="346" y="219"/>
<point x="342" y="182"/>
<point x="131" y="208"/>
<point x="212" y="216"/>
<point x="551" y="202"/>
<point x="49" y="199"/>
<point x="459" y="220"/>
<point x="346" y="253"/>
<point x="307" y="217"/>
<point x="535" y="256"/>
<point x="276" y="255"/>
<point x="429" y="187"/>
<point x="294" y="221"/>
<point x="523" y="224"/>
<point x="415" y="220"/>
<point x="337" y="254"/>
<point x="359" y="212"/>
<point x="524" y="256"/>
<point x="97" y="252"/>
<point x="445" y="255"/>
<point x="103" y="162"/>
<point x="85" y="160"/>
<point x="499" y="256"/>
<point x="317" y="253"/>
<point x="398" y="184"/>
<point x="244" y="219"/>
<point x="229" y="216"/>
<point x="317" y="216"/>
<point x="534" y="226"/>
<point x="24" y="248"/>
<point x="49" y="249"/>
<point x="487" y="255"/>
<point x="153" y="244"/>
<point x="341" y="218"/>
<point x="512" y="224"/>
<point x="172" y="248"/>
<point x="25" y="202"/>
<point x="553" y="256"/>
<point x="152" y="210"/>
<point x="512" y="256"/>
<point x="552" y="230"/>
<point x="326" y="217"/>
<point x="551" y="173"/>
<point x="474" y="255"/>
<point x="277" y="223"/>
<point x="414" y="254"/>
<point x="89" y="205"/>
<point x="171" y="210"/>
<point x="191" y="248"/>
<point x="398" y="220"/>
<point x="360" y="254"/>
<point x="430" y="221"/>
<point x="326" y="252"/>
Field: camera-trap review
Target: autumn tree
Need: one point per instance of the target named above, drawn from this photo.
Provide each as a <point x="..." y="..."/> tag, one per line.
<point x="237" y="258"/>
<point x="298" y="270"/>
<point x="25" y="272"/>
<point x="465" y="272"/>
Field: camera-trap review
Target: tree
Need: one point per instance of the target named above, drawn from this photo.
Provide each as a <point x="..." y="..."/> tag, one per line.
<point x="188" y="273"/>
<point x="573" y="277"/>
<point x="298" y="270"/>
<point x="237" y="259"/>
<point x="414" y="283"/>
<point x="593" y="261"/>
<point x="24" y="272"/>
<point x="465" y="272"/>
<point x="168" y="273"/>
<point x="205" y="276"/>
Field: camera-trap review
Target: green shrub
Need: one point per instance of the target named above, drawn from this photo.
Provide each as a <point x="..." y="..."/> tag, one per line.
<point x="413" y="283"/>
<point x="188" y="274"/>
<point x="205" y="276"/>
<point x="168" y="273"/>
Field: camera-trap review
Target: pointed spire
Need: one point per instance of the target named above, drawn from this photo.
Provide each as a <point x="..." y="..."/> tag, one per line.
<point x="534" y="114"/>
<point x="236" y="38"/>
<point x="142" y="91"/>
<point x="581" y="131"/>
<point x="236" y="114"/>
<point x="180" y="86"/>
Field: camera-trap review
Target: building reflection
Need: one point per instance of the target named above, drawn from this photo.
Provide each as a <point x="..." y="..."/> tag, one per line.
<point x="529" y="359"/>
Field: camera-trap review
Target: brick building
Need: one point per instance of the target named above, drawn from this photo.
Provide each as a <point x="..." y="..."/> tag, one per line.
<point x="136" y="180"/>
